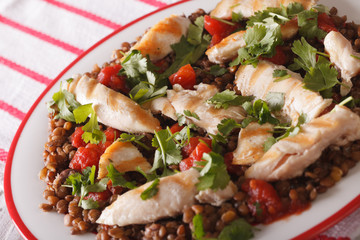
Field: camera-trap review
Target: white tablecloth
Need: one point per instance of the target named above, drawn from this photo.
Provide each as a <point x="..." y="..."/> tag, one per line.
<point x="39" y="38"/>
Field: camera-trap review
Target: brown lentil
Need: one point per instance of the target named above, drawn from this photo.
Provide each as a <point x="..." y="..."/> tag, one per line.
<point x="46" y="207"/>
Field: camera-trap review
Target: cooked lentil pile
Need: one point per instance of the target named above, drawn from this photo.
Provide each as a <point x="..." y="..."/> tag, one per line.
<point x="67" y="152"/>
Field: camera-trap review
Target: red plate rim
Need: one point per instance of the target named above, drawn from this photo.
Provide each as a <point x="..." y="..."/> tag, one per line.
<point x="25" y="232"/>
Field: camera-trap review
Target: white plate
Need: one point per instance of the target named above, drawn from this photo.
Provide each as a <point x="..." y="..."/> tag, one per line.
<point x="23" y="189"/>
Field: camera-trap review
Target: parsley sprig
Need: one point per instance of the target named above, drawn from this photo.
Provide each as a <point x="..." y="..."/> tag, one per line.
<point x="84" y="183"/>
<point x="92" y="132"/>
<point x="228" y="98"/>
<point x="66" y="103"/>
<point x="124" y="137"/>
<point x="320" y="75"/>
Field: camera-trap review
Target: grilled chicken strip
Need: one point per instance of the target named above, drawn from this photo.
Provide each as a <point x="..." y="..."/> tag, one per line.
<point x="175" y="193"/>
<point x="248" y="8"/>
<point x="157" y="40"/>
<point x="195" y="102"/>
<point x="228" y="48"/>
<point x="113" y="108"/>
<point x="124" y="156"/>
<point x="290" y="156"/>
<point x="251" y="143"/>
<point x="341" y="54"/>
<point x="259" y="82"/>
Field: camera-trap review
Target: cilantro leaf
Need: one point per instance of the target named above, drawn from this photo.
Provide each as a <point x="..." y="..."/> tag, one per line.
<point x="92" y="132"/>
<point x="320" y="76"/>
<point x="228" y="98"/>
<point x="227" y="125"/>
<point x="124" y="137"/>
<point x="280" y="74"/>
<point x="188" y="113"/>
<point x="134" y="66"/>
<point x="117" y="178"/>
<point x="238" y="229"/>
<point x="151" y="191"/>
<point x="66" y="103"/>
<point x="236" y="17"/>
<point x="308" y="25"/>
<point x="268" y="143"/>
<point x="199" y="232"/>
<point x="83" y="184"/>
<point x="167" y="153"/>
<point x="214" y="174"/>
<point x="275" y="100"/>
<point x="89" y="204"/>
<point x="195" y="31"/>
<point x="216" y="70"/>
<point x="258" y="112"/>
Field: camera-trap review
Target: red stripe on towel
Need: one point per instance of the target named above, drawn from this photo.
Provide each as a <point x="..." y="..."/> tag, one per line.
<point x="25" y="71"/>
<point x="41" y="36"/>
<point x="3" y="155"/>
<point x="85" y="14"/>
<point x="12" y="110"/>
<point x="154" y="3"/>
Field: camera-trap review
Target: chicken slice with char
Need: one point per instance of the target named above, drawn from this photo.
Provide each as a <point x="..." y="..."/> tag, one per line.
<point x="218" y="197"/>
<point x="161" y="105"/>
<point x="248" y="8"/>
<point x="259" y="82"/>
<point x="195" y="102"/>
<point x="124" y="156"/>
<point x="228" y="48"/>
<point x="251" y="143"/>
<point x="157" y="40"/>
<point x="340" y="51"/>
<point x="113" y="108"/>
<point x="290" y="156"/>
<point x="176" y="193"/>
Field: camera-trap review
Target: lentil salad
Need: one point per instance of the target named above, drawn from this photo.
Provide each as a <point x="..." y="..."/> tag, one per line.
<point x="291" y="189"/>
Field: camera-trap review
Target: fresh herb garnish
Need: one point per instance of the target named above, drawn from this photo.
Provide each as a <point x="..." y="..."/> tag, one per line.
<point x="223" y="21"/>
<point x="195" y="31"/>
<point x="275" y="100"/>
<point x="188" y="52"/>
<point x="217" y="71"/>
<point x="354" y="56"/>
<point x="92" y="132"/>
<point x="213" y="174"/>
<point x="308" y="25"/>
<point x="258" y="209"/>
<point x="151" y="191"/>
<point x="238" y="229"/>
<point x="236" y="17"/>
<point x="258" y="112"/>
<point x="124" y="137"/>
<point x="66" y="103"/>
<point x="320" y="75"/>
<point x="117" y="178"/>
<point x="83" y="184"/>
<point x="280" y="74"/>
<point x="188" y="113"/>
<point x="198" y="224"/>
<point x="228" y="98"/>
<point x="167" y="152"/>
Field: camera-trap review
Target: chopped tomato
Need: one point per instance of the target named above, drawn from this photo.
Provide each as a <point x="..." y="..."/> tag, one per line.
<point x="264" y="202"/>
<point x="196" y="155"/>
<point x="185" y="76"/>
<point x="217" y="29"/>
<point x="108" y="76"/>
<point x="76" y="138"/>
<point x="162" y="65"/>
<point x="99" y="196"/>
<point x="112" y="134"/>
<point x="86" y="157"/>
<point x="190" y="147"/>
<point x="176" y="128"/>
<point x="326" y="23"/>
<point x="279" y="58"/>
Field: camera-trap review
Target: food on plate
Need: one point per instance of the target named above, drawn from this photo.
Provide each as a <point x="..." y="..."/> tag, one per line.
<point x="208" y="124"/>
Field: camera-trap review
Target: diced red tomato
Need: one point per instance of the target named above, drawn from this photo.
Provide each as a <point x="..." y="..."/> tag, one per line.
<point x="190" y="147"/>
<point x="279" y="58"/>
<point x="86" y="157"/>
<point x="217" y="29"/>
<point x="108" y="76"/>
<point x="264" y="201"/>
<point x="196" y="155"/>
<point x="176" y="128"/>
<point x="76" y="138"/>
<point x="326" y="23"/>
<point x="99" y="196"/>
<point x="185" y="76"/>
<point x="111" y="134"/>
